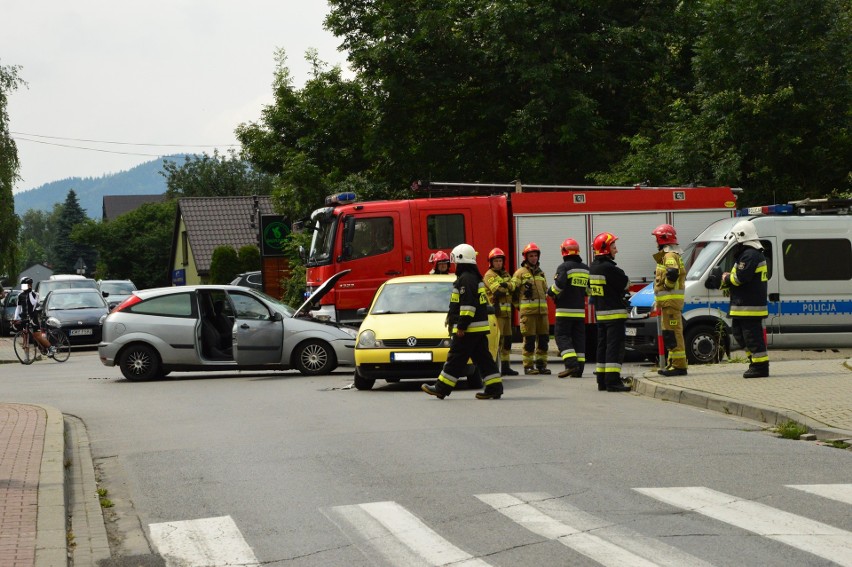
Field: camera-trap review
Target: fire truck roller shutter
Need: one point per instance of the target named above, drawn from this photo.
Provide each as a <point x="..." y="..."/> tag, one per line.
<point x="635" y="244"/>
<point x="548" y="232"/>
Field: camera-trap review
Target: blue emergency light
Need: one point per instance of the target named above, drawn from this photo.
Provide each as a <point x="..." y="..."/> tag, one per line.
<point x="340" y="198"/>
<point x="767" y="210"/>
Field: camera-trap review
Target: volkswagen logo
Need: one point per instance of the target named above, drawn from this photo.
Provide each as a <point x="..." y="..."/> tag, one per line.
<point x="411" y="341"/>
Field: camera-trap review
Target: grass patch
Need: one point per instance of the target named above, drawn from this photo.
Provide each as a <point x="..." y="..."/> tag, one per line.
<point x="839" y="444"/>
<point x="791" y="430"/>
<point x="105" y="502"/>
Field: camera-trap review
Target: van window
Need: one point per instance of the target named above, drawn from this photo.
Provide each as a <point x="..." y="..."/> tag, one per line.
<point x="728" y="261"/>
<point x="372" y="236"/>
<point x="834" y="254"/>
<point x="444" y="231"/>
<point x="172" y="305"/>
<point x="698" y="256"/>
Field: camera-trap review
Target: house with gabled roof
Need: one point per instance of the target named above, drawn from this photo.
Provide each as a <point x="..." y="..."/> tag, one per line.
<point x="204" y="223"/>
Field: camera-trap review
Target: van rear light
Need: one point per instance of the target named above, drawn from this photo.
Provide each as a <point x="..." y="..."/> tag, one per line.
<point x="132" y="300"/>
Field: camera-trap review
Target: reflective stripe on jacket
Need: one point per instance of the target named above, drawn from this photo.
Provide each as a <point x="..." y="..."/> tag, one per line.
<point x="668" y="293"/>
<point x="608" y="284"/>
<point x="536" y="304"/>
<point x="468" y="304"/>
<point x="501" y="301"/>
<point x="570" y="288"/>
<point x="748" y="281"/>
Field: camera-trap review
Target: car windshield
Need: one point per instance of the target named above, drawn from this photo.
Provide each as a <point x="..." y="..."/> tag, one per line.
<point x="276" y="303"/>
<point x="413" y="297"/>
<point x="66" y="301"/>
<point x="322" y="242"/>
<point x="46" y="286"/>
<point x="698" y="257"/>
<point x="118" y="288"/>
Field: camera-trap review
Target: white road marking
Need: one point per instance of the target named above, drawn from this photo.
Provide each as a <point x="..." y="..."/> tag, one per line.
<point x="206" y="542"/>
<point x="611" y="545"/>
<point x="839" y="492"/>
<point x="402" y="538"/>
<point x="802" y="533"/>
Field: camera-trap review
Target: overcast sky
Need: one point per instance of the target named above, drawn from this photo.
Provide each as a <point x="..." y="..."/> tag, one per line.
<point x="164" y="72"/>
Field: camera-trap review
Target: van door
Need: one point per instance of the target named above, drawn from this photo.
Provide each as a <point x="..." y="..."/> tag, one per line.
<point x="372" y="247"/>
<point x="815" y="297"/>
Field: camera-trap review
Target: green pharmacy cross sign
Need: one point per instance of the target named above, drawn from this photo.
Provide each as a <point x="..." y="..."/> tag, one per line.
<point x="274" y="232"/>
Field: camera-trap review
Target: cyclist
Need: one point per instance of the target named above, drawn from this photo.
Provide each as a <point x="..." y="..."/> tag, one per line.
<point x="26" y="314"/>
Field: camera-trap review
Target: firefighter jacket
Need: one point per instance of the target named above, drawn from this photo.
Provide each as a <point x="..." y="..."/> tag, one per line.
<point x="468" y="304"/>
<point x="569" y="289"/>
<point x="747" y="283"/>
<point x="531" y="284"/>
<point x="500" y="296"/>
<point x="609" y="287"/>
<point x="669" y="278"/>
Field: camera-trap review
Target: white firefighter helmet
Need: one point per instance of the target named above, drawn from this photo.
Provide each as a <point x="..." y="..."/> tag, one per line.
<point x="745" y="233"/>
<point x="463" y="254"/>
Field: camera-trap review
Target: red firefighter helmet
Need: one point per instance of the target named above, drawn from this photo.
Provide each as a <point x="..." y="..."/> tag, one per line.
<point x="440" y="256"/>
<point x="603" y="243"/>
<point x="531" y="247"/>
<point x="666" y="234"/>
<point x="570" y="247"/>
<point x="496" y="253"/>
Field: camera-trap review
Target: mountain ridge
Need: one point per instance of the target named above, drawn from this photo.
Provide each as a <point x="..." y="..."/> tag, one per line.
<point x="143" y="179"/>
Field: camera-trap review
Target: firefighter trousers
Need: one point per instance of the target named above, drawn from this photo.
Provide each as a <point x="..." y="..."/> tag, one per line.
<point x="749" y="332"/>
<point x="570" y="335"/>
<point x="610" y="353"/>
<point x="671" y="321"/>
<point x="473" y="346"/>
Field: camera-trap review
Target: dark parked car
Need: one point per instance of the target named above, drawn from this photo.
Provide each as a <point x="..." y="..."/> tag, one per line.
<point x="81" y="313"/>
<point x="253" y="280"/>
<point x="116" y="291"/>
<point x="9" y="303"/>
<point x="44" y="287"/>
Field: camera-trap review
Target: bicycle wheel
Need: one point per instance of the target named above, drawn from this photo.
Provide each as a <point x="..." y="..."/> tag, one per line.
<point x="59" y="339"/>
<point x="26" y="353"/>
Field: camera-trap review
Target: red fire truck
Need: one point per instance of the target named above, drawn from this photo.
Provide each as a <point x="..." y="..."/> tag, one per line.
<point x="378" y="240"/>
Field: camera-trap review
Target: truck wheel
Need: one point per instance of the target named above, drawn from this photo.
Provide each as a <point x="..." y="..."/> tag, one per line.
<point x="362" y="383"/>
<point x="702" y="345"/>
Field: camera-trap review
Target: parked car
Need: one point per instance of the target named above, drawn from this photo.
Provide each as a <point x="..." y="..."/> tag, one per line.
<point x="253" y="280"/>
<point x="116" y="291"/>
<point x="221" y="327"/>
<point x="80" y="312"/>
<point x="62" y="281"/>
<point x="403" y="335"/>
<point x="9" y="303"/>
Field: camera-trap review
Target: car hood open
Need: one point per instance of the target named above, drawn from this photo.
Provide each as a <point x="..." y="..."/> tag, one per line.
<point x="319" y="293"/>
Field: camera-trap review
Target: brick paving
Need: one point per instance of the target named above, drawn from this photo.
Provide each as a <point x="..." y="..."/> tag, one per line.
<point x="22" y="431"/>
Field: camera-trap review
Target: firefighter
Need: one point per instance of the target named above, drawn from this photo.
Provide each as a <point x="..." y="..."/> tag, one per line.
<point x="746" y="284"/>
<point x="441" y="263"/>
<point x="569" y="294"/>
<point x="531" y="285"/>
<point x="468" y="317"/>
<point x="609" y="285"/>
<point x="669" y="280"/>
<point x="499" y="288"/>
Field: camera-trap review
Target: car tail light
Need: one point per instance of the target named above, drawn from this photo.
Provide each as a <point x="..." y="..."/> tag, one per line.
<point x="132" y="300"/>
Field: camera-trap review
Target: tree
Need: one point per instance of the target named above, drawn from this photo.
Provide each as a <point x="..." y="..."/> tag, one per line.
<point x="133" y="246"/>
<point x="249" y="258"/>
<point x="9" y="167"/>
<point x="36" y="236"/>
<point x="66" y="251"/>
<point x="771" y="109"/>
<point x="214" y="176"/>
<point x="224" y="265"/>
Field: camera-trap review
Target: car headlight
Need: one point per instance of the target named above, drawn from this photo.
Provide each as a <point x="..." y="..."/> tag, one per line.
<point x="367" y="339"/>
<point x="54" y="322"/>
<point x="445" y="343"/>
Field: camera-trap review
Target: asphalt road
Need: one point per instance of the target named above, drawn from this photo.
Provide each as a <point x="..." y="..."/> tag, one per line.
<point x="311" y="472"/>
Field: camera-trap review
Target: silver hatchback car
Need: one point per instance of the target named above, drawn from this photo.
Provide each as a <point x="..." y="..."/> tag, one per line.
<point x="221" y="327"/>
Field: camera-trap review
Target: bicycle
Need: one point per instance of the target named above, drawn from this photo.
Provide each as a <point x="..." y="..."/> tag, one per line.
<point x="28" y="349"/>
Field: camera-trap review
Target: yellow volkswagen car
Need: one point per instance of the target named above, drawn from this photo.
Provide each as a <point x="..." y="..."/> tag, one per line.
<point x="404" y="335"/>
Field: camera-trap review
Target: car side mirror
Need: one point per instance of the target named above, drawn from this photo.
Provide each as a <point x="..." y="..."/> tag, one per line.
<point x="276" y="317"/>
<point x="714" y="279"/>
<point x="105" y="293"/>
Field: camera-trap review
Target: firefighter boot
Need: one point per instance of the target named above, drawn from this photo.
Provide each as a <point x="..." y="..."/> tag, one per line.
<point x="439" y="390"/>
<point x="759" y="370"/>
<point x="614" y="384"/>
<point x="601" y="384"/>
<point x="530" y="370"/>
<point x="542" y="368"/>
<point x="491" y="392"/>
<point x="578" y="373"/>
<point x="570" y="370"/>
<point x="672" y="371"/>
<point x="506" y="370"/>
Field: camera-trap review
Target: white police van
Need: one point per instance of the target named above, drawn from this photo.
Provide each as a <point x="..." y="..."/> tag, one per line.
<point x="808" y="247"/>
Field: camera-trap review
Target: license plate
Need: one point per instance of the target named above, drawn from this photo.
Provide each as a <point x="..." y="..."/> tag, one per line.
<point x="411" y="357"/>
<point x="78" y="332"/>
<point x="630" y="331"/>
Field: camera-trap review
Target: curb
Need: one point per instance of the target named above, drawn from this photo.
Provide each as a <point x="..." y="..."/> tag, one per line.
<point x="51" y="545"/>
<point x="729" y="406"/>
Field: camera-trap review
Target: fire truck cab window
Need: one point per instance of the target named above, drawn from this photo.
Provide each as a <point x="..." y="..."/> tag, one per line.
<point x="444" y="231"/>
<point x="372" y="236"/>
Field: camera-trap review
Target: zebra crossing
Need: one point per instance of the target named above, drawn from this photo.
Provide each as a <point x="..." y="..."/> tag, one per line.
<point x="390" y="534"/>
